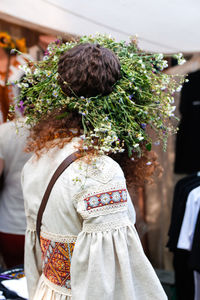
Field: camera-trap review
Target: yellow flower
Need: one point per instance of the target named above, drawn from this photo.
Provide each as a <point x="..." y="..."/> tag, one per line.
<point x="5" y="40"/>
<point x="21" y="45"/>
<point x="12" y="45"/>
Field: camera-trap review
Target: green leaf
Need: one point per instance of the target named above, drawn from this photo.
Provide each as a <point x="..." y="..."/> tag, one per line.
<point x="62" y="115"/>
<point x="130" y="149"/>
<point x="148" y="146"/>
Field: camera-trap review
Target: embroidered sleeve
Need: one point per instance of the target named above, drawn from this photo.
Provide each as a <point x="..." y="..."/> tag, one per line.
<point x="105" y="199"/>
<point x="107" y="254"/>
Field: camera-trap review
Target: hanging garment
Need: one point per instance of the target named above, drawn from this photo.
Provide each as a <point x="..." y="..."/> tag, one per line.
<point x="195" y="251"/>
<point x="189" y="221"/>
<point x="187" y="159"/>
<point x="181" y="192"/>
<point x="185" y="241"/>
<point x="184" y="275"/>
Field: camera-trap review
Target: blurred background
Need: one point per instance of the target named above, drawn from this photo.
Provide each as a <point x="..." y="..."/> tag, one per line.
<point x="168" y="27"/>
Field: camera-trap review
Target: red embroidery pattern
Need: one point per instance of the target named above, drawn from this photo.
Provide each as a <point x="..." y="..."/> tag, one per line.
<point x="56" y="259"/>
<point x="107" y="198"/>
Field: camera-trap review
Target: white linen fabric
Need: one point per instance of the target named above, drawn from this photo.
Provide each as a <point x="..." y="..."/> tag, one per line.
<point x="12" y="143"/>
<point x="189" y="220"/>
<point x="89" y="207"/>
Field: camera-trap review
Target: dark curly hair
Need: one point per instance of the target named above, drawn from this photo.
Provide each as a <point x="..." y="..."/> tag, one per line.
<point x="88" y="70"/>
<point x="85" y="70"/>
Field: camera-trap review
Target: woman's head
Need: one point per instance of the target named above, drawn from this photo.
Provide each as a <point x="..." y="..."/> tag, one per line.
<point x="88" y="70"/>
<point x="84" y="70"/>
<point x="119" y="98"/>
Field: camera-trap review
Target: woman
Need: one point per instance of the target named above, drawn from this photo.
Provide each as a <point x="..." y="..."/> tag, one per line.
<point x="89" y="248"/>
<point x="12" y="215"/>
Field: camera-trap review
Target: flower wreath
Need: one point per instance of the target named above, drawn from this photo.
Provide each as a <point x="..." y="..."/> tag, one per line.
<point x="143" y="97"/>
<point x="9" y="43"/>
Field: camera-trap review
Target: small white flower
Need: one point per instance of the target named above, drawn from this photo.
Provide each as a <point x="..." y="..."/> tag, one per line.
<point x="149" y="163"/>
<point x="26" y="69"/>
<point x="181" y="61"/>
<point x="173" y="108"/>
<point x="55" y="93"/>
<point x="159" y="56"/>
<point x="73" y="130"/>
<point x="36" y="72"/>
<point x="48" y="73"/>
<point x="45" y="57"/>
<point x="136" y="145"/>
<point x="121" y="150"/>
<point x="179" y="88"/>
<point x="25" y="84"/>
<point x="82" y="137"/>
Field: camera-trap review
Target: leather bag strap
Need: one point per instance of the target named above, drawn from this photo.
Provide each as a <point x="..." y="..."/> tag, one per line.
<point x="71" y="158"/>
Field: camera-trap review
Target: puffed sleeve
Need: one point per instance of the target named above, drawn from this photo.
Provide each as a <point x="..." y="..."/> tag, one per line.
<point x="108" y="261"/>
<point x="32" y="256"/>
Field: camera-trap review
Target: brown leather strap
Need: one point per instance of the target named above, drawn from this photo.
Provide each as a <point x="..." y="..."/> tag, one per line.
<point x="71" y="158"/>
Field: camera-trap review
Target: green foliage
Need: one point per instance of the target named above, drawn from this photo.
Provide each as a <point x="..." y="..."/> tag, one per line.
<point x="142" y="98"/>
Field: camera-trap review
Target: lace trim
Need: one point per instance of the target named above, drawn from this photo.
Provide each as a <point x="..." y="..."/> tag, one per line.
<point x="59" y="237"/>
<point x="103" y="169"/>
<point x="56" y="288"/>
<point x="104" y="210"/>
<point x="30" y="226"/>
<point x="114" y="225"/>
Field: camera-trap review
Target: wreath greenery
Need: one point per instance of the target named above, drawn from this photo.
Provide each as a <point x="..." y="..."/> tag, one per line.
<point x="143" y="97"/>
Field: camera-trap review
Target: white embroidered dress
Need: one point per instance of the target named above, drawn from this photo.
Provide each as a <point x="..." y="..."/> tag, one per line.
<point x="90" y="249"/>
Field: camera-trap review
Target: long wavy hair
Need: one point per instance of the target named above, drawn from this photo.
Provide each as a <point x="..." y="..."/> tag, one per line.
<point x="86" y="70"/>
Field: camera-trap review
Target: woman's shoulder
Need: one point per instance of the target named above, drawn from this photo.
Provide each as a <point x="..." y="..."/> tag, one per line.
<point x="99" y="169"/>
<point x="104" y="168"/>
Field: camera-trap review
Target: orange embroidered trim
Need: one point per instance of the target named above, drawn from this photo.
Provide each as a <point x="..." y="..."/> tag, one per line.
<point x="112" y="197"/>
<point x="56" y="259"/>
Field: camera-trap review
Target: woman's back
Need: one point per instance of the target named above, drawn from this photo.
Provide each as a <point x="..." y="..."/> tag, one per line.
<point x="89" y="246"/>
